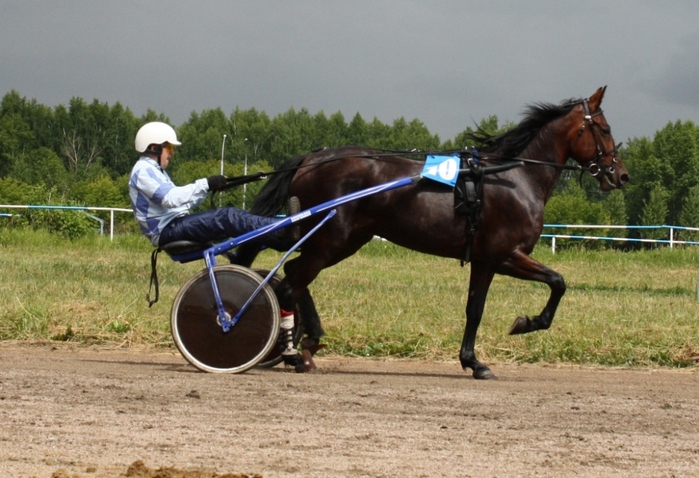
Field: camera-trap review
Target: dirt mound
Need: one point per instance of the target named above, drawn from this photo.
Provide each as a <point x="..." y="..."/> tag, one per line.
<point x="138" y="469"/>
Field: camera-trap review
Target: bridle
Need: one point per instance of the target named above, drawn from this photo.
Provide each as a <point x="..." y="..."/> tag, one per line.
<point x="595" y="166"/>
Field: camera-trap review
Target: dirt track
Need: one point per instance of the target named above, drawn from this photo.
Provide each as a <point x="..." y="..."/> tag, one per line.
<point x="89" y="413"/>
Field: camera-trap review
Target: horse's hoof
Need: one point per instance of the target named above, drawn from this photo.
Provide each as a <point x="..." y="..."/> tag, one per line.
<point x="307" y="365"/>
<point x="484" y="374"/>
<point x="312" y="345"/>
<point x="521" y="325"/>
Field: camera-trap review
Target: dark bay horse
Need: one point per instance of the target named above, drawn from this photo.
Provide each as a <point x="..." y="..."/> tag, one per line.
<point x="422" y="216"/>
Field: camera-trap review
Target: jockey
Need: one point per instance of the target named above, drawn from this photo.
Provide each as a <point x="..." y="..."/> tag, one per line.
<point x="162" y="209"/>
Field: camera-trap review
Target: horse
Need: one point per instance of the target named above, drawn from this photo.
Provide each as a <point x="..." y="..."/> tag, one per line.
<point x="422" y="216"/>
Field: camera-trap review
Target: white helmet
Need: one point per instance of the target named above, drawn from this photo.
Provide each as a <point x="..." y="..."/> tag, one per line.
<point x="155" y="133"/>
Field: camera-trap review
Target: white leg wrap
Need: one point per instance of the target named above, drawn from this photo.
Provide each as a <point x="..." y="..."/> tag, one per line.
<point x="287" y="325"/>
<point x="287" y="322"/>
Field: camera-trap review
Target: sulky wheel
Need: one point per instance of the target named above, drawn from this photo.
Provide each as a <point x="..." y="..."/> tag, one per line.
<point x="200" y="338"/>
<point x="274" y="356"/>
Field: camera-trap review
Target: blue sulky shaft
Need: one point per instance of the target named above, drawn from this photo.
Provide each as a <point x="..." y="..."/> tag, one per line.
<point x="326" y="206"/>
<point x="227" y="324"/>
<point x="209" y="254"/>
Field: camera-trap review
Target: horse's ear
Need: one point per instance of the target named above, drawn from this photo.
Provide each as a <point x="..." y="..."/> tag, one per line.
<point x="596" y="99"/>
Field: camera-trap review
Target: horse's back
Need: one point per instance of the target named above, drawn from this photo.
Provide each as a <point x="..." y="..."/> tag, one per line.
<point x="418" y="216"/>
<point x="333" y="172"/>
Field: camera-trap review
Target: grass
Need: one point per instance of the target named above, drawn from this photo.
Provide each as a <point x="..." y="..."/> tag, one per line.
<point x="621" y="308"/>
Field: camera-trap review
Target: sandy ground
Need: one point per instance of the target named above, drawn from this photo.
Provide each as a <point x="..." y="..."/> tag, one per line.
<point x="108" y="413"/>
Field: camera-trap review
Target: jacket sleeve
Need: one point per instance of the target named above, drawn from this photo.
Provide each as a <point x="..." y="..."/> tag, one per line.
<point x="157" y="185"/>
<point x="190" y="195"/>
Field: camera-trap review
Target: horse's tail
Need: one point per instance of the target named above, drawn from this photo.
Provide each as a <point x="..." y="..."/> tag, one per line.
<point x="271" y="200"/>
<point x="274" y="195"/>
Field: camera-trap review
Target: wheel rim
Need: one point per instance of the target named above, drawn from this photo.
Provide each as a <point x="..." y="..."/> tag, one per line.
<point x="199" y="336"/>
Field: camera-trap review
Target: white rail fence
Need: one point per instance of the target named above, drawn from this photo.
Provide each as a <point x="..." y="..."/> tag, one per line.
<point x="111" y="210"/>
<point x="671" y="241"/>
<point x="671" y="234"/>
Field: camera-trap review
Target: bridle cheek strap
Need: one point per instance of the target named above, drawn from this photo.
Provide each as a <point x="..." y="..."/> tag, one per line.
<point x="596" y="167"/>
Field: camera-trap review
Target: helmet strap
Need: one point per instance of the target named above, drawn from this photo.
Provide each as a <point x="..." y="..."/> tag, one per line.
<point x="155" y="150"/>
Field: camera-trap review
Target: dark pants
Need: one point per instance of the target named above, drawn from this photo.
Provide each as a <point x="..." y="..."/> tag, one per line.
<point x="218" y="225"/>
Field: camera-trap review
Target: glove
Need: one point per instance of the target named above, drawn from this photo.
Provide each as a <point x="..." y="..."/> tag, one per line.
<point x="216" y="183"/>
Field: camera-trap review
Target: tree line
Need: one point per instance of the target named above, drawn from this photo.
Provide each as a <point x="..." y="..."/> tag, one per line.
<point x="81" y="154"/>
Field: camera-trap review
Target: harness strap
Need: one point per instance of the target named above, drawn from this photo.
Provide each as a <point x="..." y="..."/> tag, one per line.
<point x="474" y="216"/>
<point x="469" y="195"/>
<point x="153" y="278"/>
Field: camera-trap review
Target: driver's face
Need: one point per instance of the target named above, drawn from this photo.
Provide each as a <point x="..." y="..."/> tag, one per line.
<point x="166" y="155"/>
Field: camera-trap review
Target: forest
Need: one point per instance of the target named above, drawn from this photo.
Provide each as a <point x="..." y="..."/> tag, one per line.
<point x="81" y="154"/>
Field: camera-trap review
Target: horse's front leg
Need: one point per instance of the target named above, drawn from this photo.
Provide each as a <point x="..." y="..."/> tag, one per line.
<point x="478" y="291"/>
<point x="522" y="266"/>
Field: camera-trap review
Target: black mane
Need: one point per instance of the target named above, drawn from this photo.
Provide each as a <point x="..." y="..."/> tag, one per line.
<point x="514" y="141"/>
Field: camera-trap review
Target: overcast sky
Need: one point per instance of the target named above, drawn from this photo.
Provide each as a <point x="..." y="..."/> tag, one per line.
<point x="448" y="63"/>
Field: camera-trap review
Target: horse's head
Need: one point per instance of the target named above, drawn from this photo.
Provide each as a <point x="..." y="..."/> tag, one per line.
<point x="592" y="144"/>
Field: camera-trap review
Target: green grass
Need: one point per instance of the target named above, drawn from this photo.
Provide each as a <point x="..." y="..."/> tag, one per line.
<point x="637" y="308"/>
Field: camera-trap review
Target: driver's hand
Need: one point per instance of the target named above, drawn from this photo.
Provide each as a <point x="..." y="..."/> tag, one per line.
<point x="216" y="183"/>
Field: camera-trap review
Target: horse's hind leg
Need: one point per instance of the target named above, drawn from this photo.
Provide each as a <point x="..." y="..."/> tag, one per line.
<point x="301" y="271"/>
<point x="522" y="266"/>
<point x="291" y="291"/>
<point x="311" y="319"/>
<point x="246" y="254"/>
<point x="478" y="291"/>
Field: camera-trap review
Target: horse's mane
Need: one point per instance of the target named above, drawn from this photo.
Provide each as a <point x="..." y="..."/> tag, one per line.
<point x="513" y="142"/>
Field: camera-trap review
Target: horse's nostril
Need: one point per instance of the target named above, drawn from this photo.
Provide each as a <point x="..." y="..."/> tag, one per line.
<point x="624" y="178"/>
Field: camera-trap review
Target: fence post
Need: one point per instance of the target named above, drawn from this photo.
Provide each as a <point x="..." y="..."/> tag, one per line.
<point x="672" y="230"/>
<point x="553" y="244"/>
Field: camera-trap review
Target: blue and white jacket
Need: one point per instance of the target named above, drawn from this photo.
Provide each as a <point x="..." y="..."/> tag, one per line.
<point x="156" y="200"/>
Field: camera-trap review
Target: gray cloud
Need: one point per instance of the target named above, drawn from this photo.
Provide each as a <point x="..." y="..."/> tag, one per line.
<point x="447" y="62"/>
<point x="678" y="81"/>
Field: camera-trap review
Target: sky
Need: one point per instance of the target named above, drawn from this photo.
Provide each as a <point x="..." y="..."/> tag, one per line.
<point x="447" y="63"/>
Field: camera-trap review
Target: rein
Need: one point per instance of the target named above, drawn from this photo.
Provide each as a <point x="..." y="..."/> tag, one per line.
<point x="473" y="153"/>
<point x="595" y="167"/>
<point x="571" y="167"/>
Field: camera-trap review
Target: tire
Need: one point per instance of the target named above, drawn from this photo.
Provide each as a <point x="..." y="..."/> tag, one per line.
<point x="195" y="326"/>
<point x="274" y="357"/>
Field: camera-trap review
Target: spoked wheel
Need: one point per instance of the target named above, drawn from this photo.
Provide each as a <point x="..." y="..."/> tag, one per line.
<point x="274" y="357"/>
<point x="195" y="324"/>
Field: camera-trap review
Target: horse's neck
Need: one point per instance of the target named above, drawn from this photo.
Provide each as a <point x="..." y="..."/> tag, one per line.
<point x="543" y="148"/>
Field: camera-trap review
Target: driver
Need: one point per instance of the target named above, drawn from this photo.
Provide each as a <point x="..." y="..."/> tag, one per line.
<point x="162" y="208"/>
